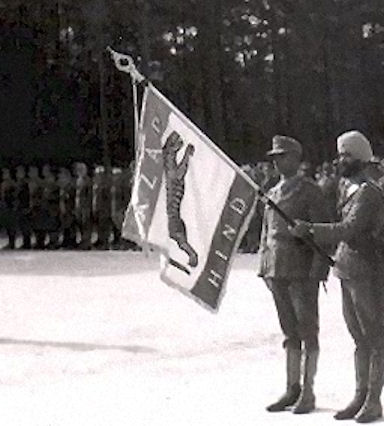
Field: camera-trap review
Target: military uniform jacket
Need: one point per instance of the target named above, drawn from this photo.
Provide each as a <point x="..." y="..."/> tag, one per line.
<point x="67" y="199"/>
<point x="22" y="195"/>
<point x="101" y="202"/>
<point x="358" y="252"/>
<point x="83" y="198"/>
<point x="281" y="255"/>
<point x="8" y="193"/>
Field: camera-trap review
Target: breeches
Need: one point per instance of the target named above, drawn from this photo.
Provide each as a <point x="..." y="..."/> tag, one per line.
<point x="362" y="311"/>
<point x="297" y="308"/>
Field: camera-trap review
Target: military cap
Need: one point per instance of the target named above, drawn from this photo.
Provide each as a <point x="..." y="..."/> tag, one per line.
<point x="285" y="144"/>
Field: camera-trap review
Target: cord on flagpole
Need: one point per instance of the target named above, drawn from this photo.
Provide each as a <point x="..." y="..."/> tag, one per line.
<point x="126" y="64"/>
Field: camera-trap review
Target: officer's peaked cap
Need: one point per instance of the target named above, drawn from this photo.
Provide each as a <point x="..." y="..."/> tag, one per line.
<point x="285" y="144"/>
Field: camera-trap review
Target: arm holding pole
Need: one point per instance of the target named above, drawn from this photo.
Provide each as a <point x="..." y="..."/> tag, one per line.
<point x="308" y="239"/>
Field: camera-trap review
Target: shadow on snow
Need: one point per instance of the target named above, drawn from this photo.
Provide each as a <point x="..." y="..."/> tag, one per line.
<point x="77" y="346"/>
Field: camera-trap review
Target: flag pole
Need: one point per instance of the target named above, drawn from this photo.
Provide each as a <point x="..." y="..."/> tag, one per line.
<point x="136" y="119"/>
<point x="126" y="64"/>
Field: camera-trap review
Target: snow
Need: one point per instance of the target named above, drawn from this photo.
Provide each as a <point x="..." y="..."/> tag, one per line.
<point x="95" y="338"/>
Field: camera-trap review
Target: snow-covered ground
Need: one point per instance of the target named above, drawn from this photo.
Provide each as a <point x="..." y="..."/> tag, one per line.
<point x="95" y="338"/>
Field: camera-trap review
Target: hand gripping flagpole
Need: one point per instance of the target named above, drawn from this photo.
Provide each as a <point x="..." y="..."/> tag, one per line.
<point x="290" y="222"/>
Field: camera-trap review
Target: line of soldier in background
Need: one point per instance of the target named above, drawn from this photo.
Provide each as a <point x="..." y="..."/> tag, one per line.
<point x="70" y="208"/>
<point x="83" y="208"/>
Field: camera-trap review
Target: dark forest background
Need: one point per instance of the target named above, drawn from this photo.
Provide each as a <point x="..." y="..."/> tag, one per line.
<point x="242" y="70"/>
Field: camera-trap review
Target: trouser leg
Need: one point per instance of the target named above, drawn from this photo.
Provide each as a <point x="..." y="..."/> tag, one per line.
<point x="361" y="356"/>
<point x="288" y="322"/>
<point x="11" y="238"/>
<point x="297" y="309"/>
<point x="363" y="316"/>
<point x="85" y="227"/>
<point x="25" y="229"/>
<point x="361" y="374"/>
<point x="305" y="297"/>
<point x="40" y="239"/>
<point x="297" y="305"/>
<point x="285" y="309"/>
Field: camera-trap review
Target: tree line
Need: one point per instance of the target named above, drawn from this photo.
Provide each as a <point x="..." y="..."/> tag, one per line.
<point x="242" y="70"/>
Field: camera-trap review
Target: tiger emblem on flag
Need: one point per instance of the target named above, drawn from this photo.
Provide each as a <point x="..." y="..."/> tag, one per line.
<point x="175" y="186"/>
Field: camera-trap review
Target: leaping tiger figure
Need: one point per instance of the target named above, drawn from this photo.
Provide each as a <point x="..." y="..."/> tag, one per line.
<point x="175" y="183"/>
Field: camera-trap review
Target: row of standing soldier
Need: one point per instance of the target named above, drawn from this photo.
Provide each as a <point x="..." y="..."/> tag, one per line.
<point x="64" y="210"/>
<point x="292" y="270"/>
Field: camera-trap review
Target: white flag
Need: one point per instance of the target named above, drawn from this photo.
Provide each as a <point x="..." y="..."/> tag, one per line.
<point x="189" y="201"/>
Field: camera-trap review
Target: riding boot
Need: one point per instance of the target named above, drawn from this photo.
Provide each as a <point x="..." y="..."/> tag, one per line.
<point x="361" y="372"/>
<point x="306" y="402"/>
<point x="372" y="409"/>
<point x="293" y="361"/>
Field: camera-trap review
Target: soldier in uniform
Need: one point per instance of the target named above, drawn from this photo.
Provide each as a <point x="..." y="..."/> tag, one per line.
<point x="8" y="198"/>
<point x="83" y="205"/>
<point x="36" y="206"/>
<point x="67" y="208"/>
<point x="118" y="205"/>
<point x="292" y="271"/>
<point x="102" y="207"/>
<point x="51" y="207"/>
<point x="23" y="207"/>
<point x="359" y="259"/>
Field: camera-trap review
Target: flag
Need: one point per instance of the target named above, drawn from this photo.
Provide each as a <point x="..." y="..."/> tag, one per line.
<point x="189" y="201"/>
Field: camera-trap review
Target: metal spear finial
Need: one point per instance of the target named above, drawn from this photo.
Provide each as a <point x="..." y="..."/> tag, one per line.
<point x="126" y="64"/>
